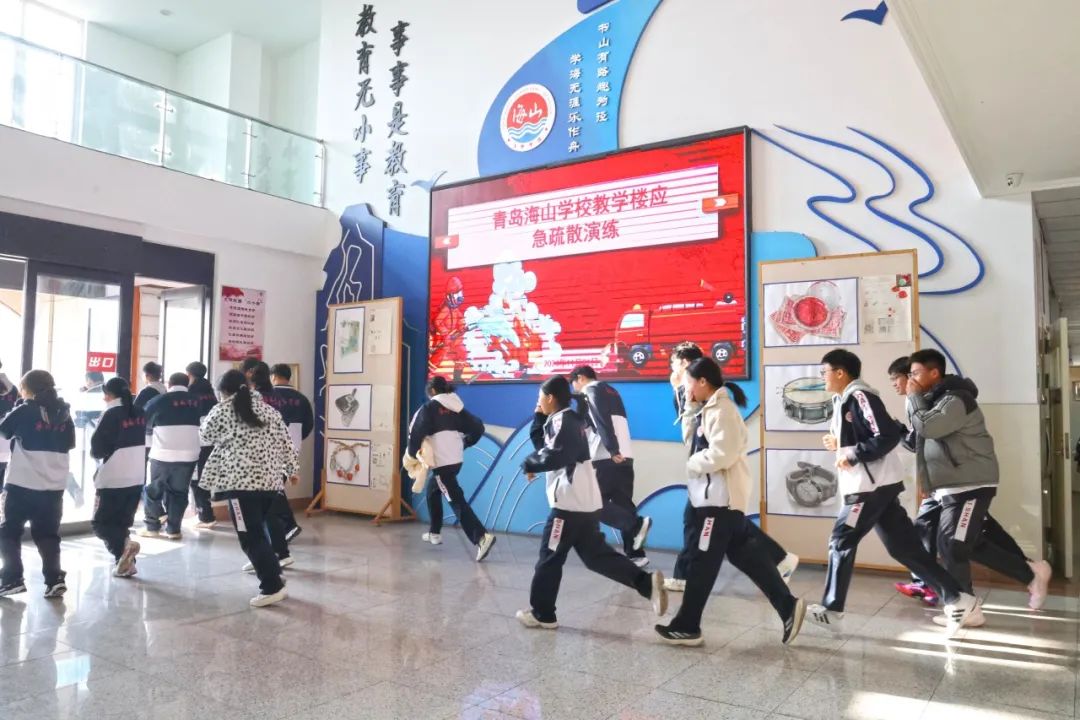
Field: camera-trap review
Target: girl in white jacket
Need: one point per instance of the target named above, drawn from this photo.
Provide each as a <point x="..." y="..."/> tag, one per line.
<point x="718" y="483"/>
<point x="562" y="453"/>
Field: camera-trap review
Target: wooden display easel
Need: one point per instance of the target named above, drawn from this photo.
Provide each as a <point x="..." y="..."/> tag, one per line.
<point x="381" y="497"/>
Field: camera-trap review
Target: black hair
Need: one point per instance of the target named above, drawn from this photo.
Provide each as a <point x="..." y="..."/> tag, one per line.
<point x="706" y="369"/>
<point x="687" y="351"/>
<point x="584" y="371"/>
<point x="41" y="385"/>
<point x="439" y="385"/>
<point x="249" y="364"/>
<point x="180" y="379"/>
<point x="152" y="370"/>
<point x="196" y="370"/>
<point x="557" y="387"/>
<point x="282" y="371"/>
<point x="900" y="366"/>
<point x="844" y="360"/>
<point x="260" y="378"/>
<point x="234" y="384"/>
<point x="930" y="359"/>
<point x="118" y="387"/>
<point x="95" y="377"/>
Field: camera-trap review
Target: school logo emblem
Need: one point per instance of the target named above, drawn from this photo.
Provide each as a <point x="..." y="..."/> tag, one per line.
<point x="527" y="117"/>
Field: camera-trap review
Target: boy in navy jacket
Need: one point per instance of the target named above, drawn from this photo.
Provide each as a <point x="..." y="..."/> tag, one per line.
<point x="172" y="427"/>
<point x="203" y="391"/>
<point x="42" y="432"/>
<point x="299" y="418"/>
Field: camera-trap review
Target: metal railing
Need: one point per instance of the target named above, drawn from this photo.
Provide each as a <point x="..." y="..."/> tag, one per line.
<point x="48" y="93"/>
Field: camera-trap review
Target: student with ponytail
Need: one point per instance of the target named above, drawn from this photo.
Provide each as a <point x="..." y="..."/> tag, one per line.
<point x="42" y="433"/>
<point x="119" y="443"/>
<point x="258" y="377"/>
<point x="252" y="455"/>
<point x="718" y="483"/>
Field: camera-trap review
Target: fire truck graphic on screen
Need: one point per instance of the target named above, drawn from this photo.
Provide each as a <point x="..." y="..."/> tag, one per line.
<point x="647" y="334"/>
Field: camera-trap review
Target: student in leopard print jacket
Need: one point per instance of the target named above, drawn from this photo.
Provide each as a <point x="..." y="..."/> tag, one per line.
<point x="252" y="454"/>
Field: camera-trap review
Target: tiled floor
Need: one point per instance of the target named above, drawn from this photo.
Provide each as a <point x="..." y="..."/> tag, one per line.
<point x="380" y="625"/>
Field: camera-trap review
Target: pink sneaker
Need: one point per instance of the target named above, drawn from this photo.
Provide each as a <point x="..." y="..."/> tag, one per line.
<point x="917" y="591"/>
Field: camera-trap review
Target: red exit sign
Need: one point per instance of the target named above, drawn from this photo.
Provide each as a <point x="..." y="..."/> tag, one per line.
<point x="101" y="362"/>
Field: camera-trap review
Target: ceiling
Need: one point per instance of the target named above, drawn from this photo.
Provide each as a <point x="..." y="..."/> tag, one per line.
<point x="278" y="24"/>
<point x="1004" y="74"/>
<point x="1059" y="218"/>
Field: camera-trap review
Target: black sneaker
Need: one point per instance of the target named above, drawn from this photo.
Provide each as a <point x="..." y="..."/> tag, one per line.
<point x="13" y="588"/>
<point x="677" y="637"/>
<point x="56" y="590"/>
<point x="293" y="533"/>
<point x="793" y="624"/>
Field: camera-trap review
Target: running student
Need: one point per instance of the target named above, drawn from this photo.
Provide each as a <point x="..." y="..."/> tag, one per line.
<point x="613" y="459"/>
<point x="958" y="467"/>
<point x="786" y="563"/>
<point x="449" y="428"/>
<point x="9" y="395"/>
<point x="871" y="478"/>
<point x="718" y="485"/>
<point x="299" y="418"/>
<point x="995" y="548"/>
<point x="203" y="392"/>
<point x="172" y="430"/>
<point x="258" y="378"/>
<point x="562" y="453"/>
<point x="252" y="453"/>
<point x="42" y="433"/>
<point x="119" y="442"/>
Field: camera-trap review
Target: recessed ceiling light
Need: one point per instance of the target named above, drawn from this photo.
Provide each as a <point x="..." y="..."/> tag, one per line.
<point x="166" y="12"/>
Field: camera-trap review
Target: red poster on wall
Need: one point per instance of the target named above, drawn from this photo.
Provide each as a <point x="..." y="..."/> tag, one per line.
<point x="243" y="323"/>
<point x="101" y="362"/>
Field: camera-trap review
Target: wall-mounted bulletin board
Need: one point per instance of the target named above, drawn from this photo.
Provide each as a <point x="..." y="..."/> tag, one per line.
<point x="865" y="303"/>
<point x="361" y="472"/>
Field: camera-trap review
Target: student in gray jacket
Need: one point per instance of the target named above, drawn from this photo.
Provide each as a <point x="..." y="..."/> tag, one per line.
<point x="955" y="460"/>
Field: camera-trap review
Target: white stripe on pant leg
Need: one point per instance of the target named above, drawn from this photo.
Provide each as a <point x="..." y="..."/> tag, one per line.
<point x="240" y="525"/>
<point x="706" y="535"/>
<point x="442" y="488"/>
<point x="965" y="520"/>
<point x="556" y="534"/>
<point x="853" y="515"/>
<point x="3" y="505"/>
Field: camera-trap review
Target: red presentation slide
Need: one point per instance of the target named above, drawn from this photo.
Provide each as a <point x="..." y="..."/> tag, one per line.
<point x="608" y="262"/>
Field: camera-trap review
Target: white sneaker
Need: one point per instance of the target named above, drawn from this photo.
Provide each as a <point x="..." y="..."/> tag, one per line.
<point x="975" y="620"/>
<point x="261" y="600"/>
<point x="174" y="536"/>
<point x="640" y="561"/>
<point x="287" y="561"/>
<point x="433" y="538"/>
<point x="249" y="568"/>
<point x="206" y="525"/>
<point x="958" y="613"/>
<point x="526" y="618"/>
<point x="788" y="566"/>
<point x="674" y="584"/>
<point x="129" y="573"/>
<point x="1039" y="588"/>
<point x="126" y="563"/>
<point x="484" y="547"/>
<point x="639" y="539"/>
<point x="828" y="619"/>
<point x="148" y="533"/>
<point x="659" y="594"/>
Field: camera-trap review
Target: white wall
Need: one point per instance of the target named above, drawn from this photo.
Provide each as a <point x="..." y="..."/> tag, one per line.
<point x="245" y="76"/>
<point x="704" y="65"/>
<point x="130" y="57"/>
<point x="204" y="72"/>
<point x="296" y="89"/>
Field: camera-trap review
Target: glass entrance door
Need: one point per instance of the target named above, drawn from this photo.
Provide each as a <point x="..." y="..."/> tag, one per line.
<point x="79" y="326"/>
<point x="185" y="327"/>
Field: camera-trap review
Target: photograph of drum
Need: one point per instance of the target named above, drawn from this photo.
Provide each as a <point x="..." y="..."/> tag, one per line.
<point x="795" y="399"/>
<point x="806" y="401"/>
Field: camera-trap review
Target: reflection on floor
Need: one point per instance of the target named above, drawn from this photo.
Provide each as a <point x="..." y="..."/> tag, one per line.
<point x="381" y="625"/>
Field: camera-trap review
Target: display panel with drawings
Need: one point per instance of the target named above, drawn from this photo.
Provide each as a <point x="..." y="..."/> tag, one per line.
<point x="865" y="303"/>
<point x="363" y="391"/>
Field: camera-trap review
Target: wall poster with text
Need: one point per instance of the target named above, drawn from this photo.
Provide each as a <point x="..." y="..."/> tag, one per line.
<point x="243" y="323"/>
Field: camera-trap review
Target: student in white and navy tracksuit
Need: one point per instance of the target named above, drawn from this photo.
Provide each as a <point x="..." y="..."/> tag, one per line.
<point x="786" y="563"/>
<point x="9" y="396"/>
<point x="613" y="458"/>
<point x="449" y="428"/>
<point x="152" y="386"/>
<point x="42" y="432"/>
<point x="299" y="418"/>
<point x="172" y="427"/>
<point x="252" y="454"/>
<point x="203" y="391"/>
<point x="718" y="484"/>
<point x="119" y="442"/>
<point x="562" y="454"/>
<point x="871" y="479"/>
